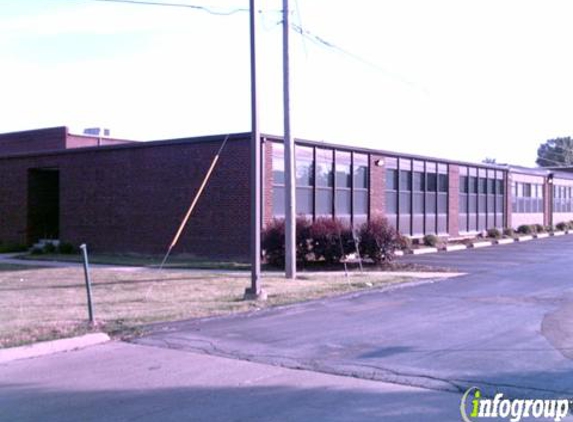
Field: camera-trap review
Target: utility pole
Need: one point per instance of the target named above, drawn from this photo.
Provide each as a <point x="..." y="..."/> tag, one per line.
<point x="290" y="201"/>
<point x="255" y="291"/>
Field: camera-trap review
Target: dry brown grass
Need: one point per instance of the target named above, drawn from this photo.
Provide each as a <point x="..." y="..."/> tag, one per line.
<point x="47" y="303"/>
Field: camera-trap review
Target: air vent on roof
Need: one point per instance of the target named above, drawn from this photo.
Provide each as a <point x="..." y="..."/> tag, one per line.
<point x="96" y="131"/>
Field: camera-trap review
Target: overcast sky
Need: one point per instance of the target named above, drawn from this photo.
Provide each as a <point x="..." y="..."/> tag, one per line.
<point x="456" y="79"/>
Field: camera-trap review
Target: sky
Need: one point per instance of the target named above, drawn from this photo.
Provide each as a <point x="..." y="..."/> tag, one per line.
<point x="455" y="79"/>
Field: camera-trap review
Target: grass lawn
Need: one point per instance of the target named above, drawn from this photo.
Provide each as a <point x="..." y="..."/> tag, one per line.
<point x="45" y="303"/>
<point x="178" y="261"/>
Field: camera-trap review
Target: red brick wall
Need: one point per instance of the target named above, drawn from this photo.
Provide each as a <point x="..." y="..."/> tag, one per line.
<point x="267" y="185"/>
<point x="132" y="199"/>
<point x="453" y="200"/>
<point x="377" y="186"/>
<point x="33" y="141"/>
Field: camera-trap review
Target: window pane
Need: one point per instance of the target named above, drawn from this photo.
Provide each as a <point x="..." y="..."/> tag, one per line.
<point x="443" y="183"/>
<point x="324" y="167"/>
<point x="418" y="182"/>
<point x="482" y="185"/>
<point x="392" y="179"/>
<point x="304" y="166"/>
<point x="463" y="184"/>
<point x="405" y="180"/>
<point x="278" y="201"/>
<point x="361" y="202"/>
<point x="499" y="187"/>
<point x="303" y="201"/>
<point x="343" y="202"/>
<point x="324" y="201"/>
<point x="343" y="179"/>
<point x="432" y="185"/>
<point x="430" y="203"/>
<point x="418" y="203"/>
<point x="360" y="171"/>
<point x="405" y="203"/>
<point x="472" y="187"/>
<point x="391" y="203"/>
<point x="463" y="203"/>
<point x="442" y="203"/>
<point x="278" y="164"/>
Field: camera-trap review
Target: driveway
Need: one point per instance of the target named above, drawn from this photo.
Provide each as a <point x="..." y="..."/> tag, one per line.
<point x="505" y="325"/>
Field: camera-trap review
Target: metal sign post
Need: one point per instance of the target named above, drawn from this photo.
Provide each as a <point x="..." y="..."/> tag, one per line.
<point x="84" y="249"/>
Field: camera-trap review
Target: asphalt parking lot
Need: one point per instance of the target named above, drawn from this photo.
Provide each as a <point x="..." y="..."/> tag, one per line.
<point x="503" y="325"/>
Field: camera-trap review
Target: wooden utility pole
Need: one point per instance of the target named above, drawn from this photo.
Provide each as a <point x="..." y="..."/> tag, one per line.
<point x="290" y="198"/>
<point x="255" y="291"/>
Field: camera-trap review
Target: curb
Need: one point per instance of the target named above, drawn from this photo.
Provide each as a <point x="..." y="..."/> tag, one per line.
<point x="477" y="245"/>
<point x="505" y="241"/>
<point x="480" y="245"/>
<point x="452" y="248"/>
<point x="49" y="347"/>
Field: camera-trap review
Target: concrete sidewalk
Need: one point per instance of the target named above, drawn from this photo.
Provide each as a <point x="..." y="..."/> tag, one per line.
<point x="124" y="382"/>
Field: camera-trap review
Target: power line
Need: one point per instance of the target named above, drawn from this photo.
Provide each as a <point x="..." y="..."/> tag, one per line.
<point x="318" y="40"/>
<point x="183" y="5"/>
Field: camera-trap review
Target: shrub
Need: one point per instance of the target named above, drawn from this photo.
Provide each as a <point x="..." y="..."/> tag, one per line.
<point x="12" y="247"/>
<point x="539" y="228"/>
<point x="509" y="232"/>
<point x="525" y="229"/>
<point x="549" y="228"/>
<point x="331" y="239"/>
<point x="379" y="240"/>
<point x="37" y="251"/>
<point x="67" y="248"/>
<point x="273" y="241"/>
<point x="406" y="243"/>
<point x="562" y="226"/>
<point x="494" y="233"/>
<point x="431" y="240"/>
<point x="50" y="248"/>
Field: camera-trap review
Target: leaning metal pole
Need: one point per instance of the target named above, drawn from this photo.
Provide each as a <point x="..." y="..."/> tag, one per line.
<point x="255" y="291"/>
<point x="290" y="201"/>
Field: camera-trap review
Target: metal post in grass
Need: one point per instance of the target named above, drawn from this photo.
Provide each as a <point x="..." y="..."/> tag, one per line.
<point x="84" y="249"/>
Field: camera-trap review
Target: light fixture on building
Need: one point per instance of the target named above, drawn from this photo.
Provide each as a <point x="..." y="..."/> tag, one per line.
<point x="379" y="163"/>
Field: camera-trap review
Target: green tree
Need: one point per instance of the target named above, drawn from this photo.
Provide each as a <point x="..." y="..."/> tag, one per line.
<point x="556" y="152"/>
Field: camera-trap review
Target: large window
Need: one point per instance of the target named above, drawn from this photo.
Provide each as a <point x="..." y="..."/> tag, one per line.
<point x="343" y="183"/>
<point x="328" y="182"/>
<point x="304" y="165"/>
<point x="324" y="182"/>
<point x="481" y="199"/>
<point x="278" y="180"/>
<point x="360" y="187"/>
<point x="562" y="199"/>
<point x="417" y="196"/>
<point x="527" y="198"/>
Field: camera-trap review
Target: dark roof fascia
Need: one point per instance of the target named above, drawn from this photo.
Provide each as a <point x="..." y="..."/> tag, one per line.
<point x="385" y="152"/>
<point x="132" y="145"/>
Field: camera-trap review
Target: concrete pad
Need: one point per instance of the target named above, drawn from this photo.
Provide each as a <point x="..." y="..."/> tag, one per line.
<point x="118" y="382"/>
<point x="524" y="238"/>
<point x="542" y="235"/>
<point x="558" y="233"/>
<point x="50" y="347"/>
